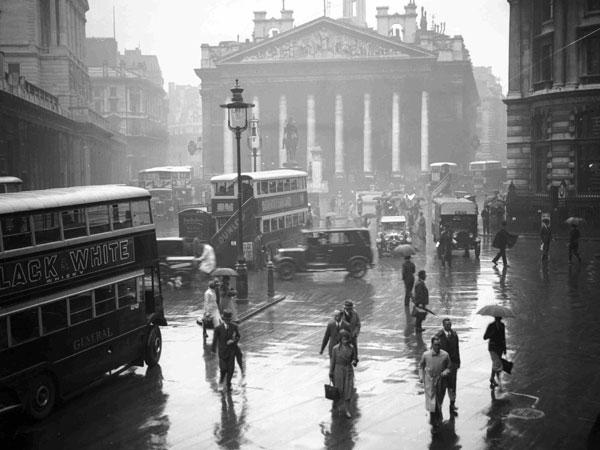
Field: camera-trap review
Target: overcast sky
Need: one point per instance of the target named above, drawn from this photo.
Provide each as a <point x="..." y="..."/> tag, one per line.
<point x="174" y="29"/>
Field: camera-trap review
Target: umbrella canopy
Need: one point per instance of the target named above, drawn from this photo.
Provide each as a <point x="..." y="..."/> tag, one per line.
<point x="404" y="250"/>
<point x="330" y="214"/>
<point x="369" y="215"/>
<point x="575" y="220"/>
<point x="224" y="271"/>
<point x="496" y="311"/>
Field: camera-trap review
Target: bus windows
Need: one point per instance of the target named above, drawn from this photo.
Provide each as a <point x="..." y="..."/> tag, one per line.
<point x="54" y="316"/>
<point x="272" y="187"/>
<point x="288" y="221"/>
<point x="286" y="184"/>
<point x="24" y="326"/>
<point x="121" y="216"/>
<point x="264" y="187"/>
<point x="80" y="307"/>
<point x="126" y="292"/>
<point x="47" y="228"/>
<point x="98" y="219"/>
<point x="294" y="184"/>
<point x="279" y="185"/>
<point x="281" y="223"/>
<point x="141" y="213"/>
<point x="74" y="223"/>
<point x="105" y="300"/>
<point x="16" y="232"/>
<point x="294" y="220"/>
<point x="266" y="226"/>
<point x="3" y="333"/>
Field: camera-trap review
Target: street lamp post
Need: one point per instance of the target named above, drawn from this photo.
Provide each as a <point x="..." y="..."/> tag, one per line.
<point x="254" y="140"/>
<point x="237" y="121"/>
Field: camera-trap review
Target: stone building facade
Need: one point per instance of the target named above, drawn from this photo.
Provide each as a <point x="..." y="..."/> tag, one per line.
<point x="370" y="106"/>
<point x="554" y="106"/>
<point x="491" y="117"/>
<point x="49" y="136"/>
<point x="185" y="126"/>
<point x="127" y="90"/>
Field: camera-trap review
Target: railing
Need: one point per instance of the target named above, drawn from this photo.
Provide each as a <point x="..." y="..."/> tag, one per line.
<point x="87" y="115"/>
<point x="31" y="93"/>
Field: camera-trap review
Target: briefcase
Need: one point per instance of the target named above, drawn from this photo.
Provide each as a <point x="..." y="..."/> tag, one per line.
<point x="506" y="365"/>
<point x="331" y="392"/>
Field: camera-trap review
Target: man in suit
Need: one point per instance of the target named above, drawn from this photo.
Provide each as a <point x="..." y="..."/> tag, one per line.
<point x="351" y="316"/>
<point x="226" y="337"/>
<point x="449" y="343"/>
<point x="408" y="276"/>
<point x="501" y="242"/>
<point x="332" y="332"/>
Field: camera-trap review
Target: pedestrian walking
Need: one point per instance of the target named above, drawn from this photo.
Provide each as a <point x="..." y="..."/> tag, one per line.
<point x="422" y="228"/>
<point x="449" y="343"/>
<point x="546" y="237"/>
<point x="485" y="219"/>
<point x="574" y="236"/>
<point x="211" y="317"/>
<point x="496" y="334"/>
<point x="359" y="205"/>
<point x="259" y="255"/>
<point x="408" y="276"/>
<point x="332" y="332"/>
<point x="433" y="369"/>
<point x="341" y="371"/>
<point x="421" y="300"/>
<point x="501" y="242"/>
<point x="225" y="337"/>
<point x="204" y="257"/>
<point x="446" y="238"/>
<point x="351" y="316"/>
<point x="227" y="297"/>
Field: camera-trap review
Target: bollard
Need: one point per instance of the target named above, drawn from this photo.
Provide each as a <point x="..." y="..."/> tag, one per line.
<point x="270" y="282"/>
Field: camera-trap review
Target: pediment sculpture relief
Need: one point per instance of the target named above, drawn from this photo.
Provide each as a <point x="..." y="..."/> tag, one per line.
<point x="323" y="44"/>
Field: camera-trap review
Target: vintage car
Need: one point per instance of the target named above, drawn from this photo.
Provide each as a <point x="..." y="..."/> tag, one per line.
<point x="394" y="232"/>
<point x="460" y="215"/>
<point x="176" y="260"/>
<point x="342" y="249"/>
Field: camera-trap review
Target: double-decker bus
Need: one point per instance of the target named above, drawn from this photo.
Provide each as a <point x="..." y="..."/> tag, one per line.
<point x="176" y="178"/>
<point x="79" y="291"/>
<point x="488" y="176"/>
<point x="10" y="184"/>
<point x="275" y="203"/>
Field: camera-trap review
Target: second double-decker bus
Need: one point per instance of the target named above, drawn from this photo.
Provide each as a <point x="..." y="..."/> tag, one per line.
<point x="275" y="203"/>
<point x="488" y="176"/>
<point x="10" y="184"/>
<point x="176" y="178"/>
<point x="79" y="291"/>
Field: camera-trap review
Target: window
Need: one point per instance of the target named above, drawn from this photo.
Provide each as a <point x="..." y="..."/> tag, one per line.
<point x="279" y="185"/>
<point x="74" y="223"/>
<point x="294" y="184"/>
<point x="266" y="226"/>
<point x="80" y="307"/>
<point x="286" y="184"/>
<point x="16" y="232"/>
<point x="105" y="300"/>
<point x="593" y="5"/>
<point x="141" y="213"/>
<point x="121" y="216"/>
<point x="592" y="54"/>
<point x="98" y="219"/>
<point x="547" y="7"/>
<point x="113" y="91"/>
<point x="54" y="316"/>
<point x="288" y="221"/>
<point x="338" y="238"/>
<point x="113" y="104"/>
<point x="3" y="333"/>
<point x="280" y="223"/>
<point x="274" y="226"/>
<point x="295" y="220"/>
<point x="46" y="228"/>
<point x="264" y="187"/>
<point x="539" y="169"/>
<point x="272" y="187"/>
<point x="24" y="326"/>
<point x="126" y="292"/>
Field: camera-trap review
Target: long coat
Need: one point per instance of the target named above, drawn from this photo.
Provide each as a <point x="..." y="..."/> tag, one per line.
<point x="450" y="346"/>
<point x="225" y="340"/>
<point x="342" y="371"/>
<point x="431" y="367"/>
<point x="332" y="334"/>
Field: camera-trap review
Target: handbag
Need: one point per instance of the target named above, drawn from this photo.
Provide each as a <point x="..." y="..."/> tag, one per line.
<point x="507" y="366"/>
<point x="331" y="392"/>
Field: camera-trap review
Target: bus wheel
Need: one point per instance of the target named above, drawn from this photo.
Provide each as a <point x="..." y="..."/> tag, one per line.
<point x="477" y="250"/>
<point x="286" y="270"/>
<point x="41" y="397"/>
<point x="358" y="268"/>
<point x="153" y="347"/>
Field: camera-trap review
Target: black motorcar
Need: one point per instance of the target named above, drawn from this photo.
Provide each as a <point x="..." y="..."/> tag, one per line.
<point x="177" y="261"/>
<point x="347" y="249"/>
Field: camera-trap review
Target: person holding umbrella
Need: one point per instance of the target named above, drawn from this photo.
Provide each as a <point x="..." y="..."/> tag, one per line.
<point x="574" y="242"/>
<point x="501" y="241"/>
<point x="496" y="334"/>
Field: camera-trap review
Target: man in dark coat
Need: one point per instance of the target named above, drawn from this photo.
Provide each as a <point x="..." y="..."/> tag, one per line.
<point x="421" y="300"/>
<point x="449" y="343"/>
<point x="446" y="238"/>
<point x="353" y="320"/>
<point x="332" y="332"/>
<point x="408" y="276"/>
<point x="496" y="333"/>
<point x="546" y="237"/>
<point x="485" y="219"/>
<point x="226" y="337"/>
<point x="574" y="242"/>
<point x="501" y="242"/>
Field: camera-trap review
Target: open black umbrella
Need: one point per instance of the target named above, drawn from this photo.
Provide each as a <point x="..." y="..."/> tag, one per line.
<point x="496" y="311"/>
<point x="223" y="271"/>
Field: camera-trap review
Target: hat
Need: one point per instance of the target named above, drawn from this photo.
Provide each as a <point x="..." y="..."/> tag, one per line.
<point x="348" y="304"/>
<point x="227" y="315"/>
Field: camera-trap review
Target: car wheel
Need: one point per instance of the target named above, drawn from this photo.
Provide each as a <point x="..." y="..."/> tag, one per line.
<point x="153" y="347"/>
<point x="41" y="397"/>
<point x="358" y="268"/>
<point x="286" y="270"/>
<point x="477" y="250"/>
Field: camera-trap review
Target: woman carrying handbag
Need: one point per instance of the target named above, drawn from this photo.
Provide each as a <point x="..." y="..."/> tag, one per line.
<point x="341" y="372"/>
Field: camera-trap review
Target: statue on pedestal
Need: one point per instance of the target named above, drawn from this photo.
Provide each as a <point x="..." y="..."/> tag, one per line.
<point x="290" y="139"/>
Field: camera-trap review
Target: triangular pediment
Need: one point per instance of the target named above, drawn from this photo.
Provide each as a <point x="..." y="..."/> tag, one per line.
<point x="327" y="39"/>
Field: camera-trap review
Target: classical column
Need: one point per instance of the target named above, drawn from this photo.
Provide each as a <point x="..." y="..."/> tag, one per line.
<point x="425" y="131"/>
<point x="572" y="63"/>
<point x="227" y="143"/>
<point x="339" y="136"/>
<point x="367" y="151"/>
<point x="256" y="112"/>
<point x="53" y="25"/>
<point x="559" y="43"/>
<point x="395" y="134"/>
<point x="282" y="119"/>
<point x="310" y="125"/>
<point x="61" y="5"/>
<point x="514" y="49"/>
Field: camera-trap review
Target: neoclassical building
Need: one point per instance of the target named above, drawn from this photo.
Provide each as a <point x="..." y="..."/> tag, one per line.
<point x="368" y="104"/>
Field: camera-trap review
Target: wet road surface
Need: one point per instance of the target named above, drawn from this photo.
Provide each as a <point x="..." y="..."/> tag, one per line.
<point x="549" y="402"/>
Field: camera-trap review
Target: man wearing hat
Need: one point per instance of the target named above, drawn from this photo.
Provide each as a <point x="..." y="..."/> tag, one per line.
<point x="353" y="320"/>
<point x="332" y="333"/>
<point x="226" y="337"/>
<point x="408" y="276"/>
